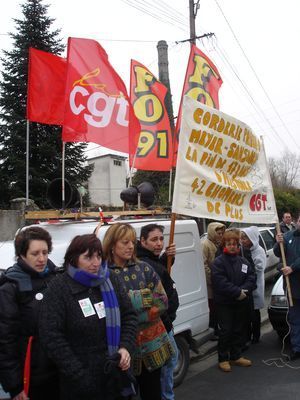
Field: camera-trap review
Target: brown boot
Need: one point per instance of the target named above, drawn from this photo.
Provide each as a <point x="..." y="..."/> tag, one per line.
<point x="241" y="362"/>
<point x="225" y="366"/>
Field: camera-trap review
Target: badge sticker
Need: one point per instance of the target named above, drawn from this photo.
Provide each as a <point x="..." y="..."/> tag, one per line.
<point x="99" y="307"/>
<point x="86" y="307"/>
<point x="39" y="296"/>
<point x="244" y="268"/>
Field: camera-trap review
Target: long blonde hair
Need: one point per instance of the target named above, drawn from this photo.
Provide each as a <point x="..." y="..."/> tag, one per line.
<point x="114" y="233"/>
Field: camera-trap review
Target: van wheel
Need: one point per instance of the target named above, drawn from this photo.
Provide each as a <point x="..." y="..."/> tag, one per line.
<point x="183" y="360"/>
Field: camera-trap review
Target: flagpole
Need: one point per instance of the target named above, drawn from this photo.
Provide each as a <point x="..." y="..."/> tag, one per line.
<point x="63" y="176"/>
<point x="170" y="185"/>
<point x="131" y="168"/>
<point x="27" y="162"/>
<point x="287" y="278"/>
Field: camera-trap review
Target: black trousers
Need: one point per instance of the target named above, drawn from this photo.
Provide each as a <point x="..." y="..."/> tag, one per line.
<point x="149" y="384"/>
<point x="232" y="321"/>
<point x="47" y="391"/>
<point x="255" y="325"/>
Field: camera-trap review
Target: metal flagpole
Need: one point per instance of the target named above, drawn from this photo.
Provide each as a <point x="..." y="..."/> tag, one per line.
<point x="27" y="162"/>
<point x="131" y="169"/>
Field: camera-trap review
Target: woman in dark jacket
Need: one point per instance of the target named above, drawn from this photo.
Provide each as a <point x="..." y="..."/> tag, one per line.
<point x="88" y="325"/>
<point x="233" y="280"/>
<point x="22" y="288"/>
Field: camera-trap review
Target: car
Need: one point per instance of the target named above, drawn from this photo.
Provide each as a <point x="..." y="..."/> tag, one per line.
<point x="278" y="308"/>
<point x="266" y="241"/>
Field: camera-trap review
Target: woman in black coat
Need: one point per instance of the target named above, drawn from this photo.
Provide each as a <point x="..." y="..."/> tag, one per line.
<point x="88" y="325"/>
<point x="233" y="280"/>
<point x="22" y="288"/>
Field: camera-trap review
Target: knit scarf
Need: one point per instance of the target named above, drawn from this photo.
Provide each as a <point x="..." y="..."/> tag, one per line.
<point x="113" y="320"/>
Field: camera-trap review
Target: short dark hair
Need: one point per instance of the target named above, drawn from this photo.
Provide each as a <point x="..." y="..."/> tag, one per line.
<point x="146" y="229"/>
<point x="25" y="236"/>
<point x="79" y="245"/>
<point x="286" y="212"/>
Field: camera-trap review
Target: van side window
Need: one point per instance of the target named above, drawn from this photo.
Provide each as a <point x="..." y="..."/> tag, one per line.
<point x="268" y="239"/>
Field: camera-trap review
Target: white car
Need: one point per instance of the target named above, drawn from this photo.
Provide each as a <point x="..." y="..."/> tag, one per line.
<point x="278" y="307"/>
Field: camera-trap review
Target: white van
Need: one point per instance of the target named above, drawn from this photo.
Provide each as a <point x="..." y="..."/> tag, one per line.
<point x="191" y="325"/>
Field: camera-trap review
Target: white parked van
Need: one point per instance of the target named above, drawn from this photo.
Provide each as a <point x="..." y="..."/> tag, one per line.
<point x="191" y="325"/>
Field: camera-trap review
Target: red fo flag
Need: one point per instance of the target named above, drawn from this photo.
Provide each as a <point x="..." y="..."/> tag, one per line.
<point x="152" y="149"/>
<point x="202" y="83"/>
<point x="97" y="107"/>
<point x="46" y="87"/>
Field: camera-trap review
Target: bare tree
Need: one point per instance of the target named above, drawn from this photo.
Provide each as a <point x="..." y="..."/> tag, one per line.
<point x="284" y="171"/>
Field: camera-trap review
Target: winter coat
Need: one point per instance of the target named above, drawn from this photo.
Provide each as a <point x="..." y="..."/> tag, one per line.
<point x="291" y="243"/>
<point x="159" y="264"/>
<point x="285" y="228"/>
<point x="231" y="274"/>
<point x="77" y="344"/>
<point x="259" y="258"/>
<point x="146" y="292"/>
<point x="21" y="291"/>
<point x="209" y="250"/>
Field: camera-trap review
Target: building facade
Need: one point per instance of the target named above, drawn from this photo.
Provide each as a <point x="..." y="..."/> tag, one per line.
<point x="107" y="180"/>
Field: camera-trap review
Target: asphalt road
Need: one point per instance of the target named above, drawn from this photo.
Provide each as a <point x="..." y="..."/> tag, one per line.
<point x="269" y="378"/>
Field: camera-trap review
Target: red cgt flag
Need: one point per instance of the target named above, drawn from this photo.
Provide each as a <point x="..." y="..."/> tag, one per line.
<point x="151" y="149"/>
<point x="46" y="87"/>
<point x="202" y="83"/>
<point x="97" y="107"/>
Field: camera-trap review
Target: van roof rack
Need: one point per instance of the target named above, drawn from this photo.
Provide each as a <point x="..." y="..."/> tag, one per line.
<point x="78" y="214"/>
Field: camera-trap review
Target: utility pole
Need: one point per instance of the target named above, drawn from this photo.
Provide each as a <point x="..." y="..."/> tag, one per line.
<point x="193" y="13"/>
<point x="192" y="23"/>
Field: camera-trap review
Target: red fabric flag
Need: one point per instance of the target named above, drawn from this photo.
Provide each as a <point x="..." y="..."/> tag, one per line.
<point x="202" y="83"/>
<point x="97" y="107"/>
<point x="46" y="87"/>
<point x="151" y="149"/>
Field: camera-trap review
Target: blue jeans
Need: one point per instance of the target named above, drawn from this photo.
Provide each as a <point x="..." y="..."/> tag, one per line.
<point x="294" y="321"/>
<point x="166" y="377"/>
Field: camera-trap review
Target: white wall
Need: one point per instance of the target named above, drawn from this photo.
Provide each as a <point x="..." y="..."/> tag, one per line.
<point x="107" y="180"/>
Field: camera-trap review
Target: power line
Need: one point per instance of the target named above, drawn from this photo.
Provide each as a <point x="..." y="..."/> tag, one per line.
<point x="161" y="10"/>
<point x="128" y="2"/>
<point x="255" y="74"/>
<point x="256" y="106"/>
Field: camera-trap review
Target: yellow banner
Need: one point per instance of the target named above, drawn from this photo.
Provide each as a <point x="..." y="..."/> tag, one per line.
<point x="221" y="170"/>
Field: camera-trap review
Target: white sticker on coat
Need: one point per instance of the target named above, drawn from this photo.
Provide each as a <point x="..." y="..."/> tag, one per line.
<point x="244" y="268"/>
<point x="99" y="307"/>
<point x="86" y="307"/>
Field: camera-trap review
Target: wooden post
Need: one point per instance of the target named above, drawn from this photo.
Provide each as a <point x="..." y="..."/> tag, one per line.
<point x="171" y="239"/>
<point x="287" y="278"/>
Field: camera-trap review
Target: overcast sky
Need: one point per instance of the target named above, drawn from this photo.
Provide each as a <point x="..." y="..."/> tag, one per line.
<point x="256" y="49"/>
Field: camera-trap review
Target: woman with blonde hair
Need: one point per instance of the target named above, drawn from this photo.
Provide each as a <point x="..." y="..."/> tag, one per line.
<point x="149" y="299"/>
